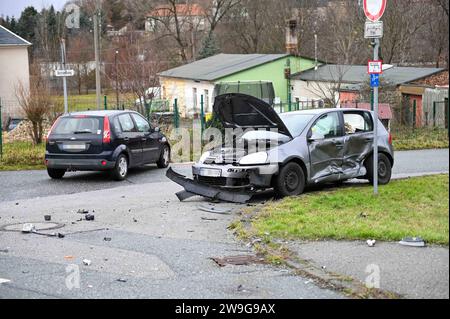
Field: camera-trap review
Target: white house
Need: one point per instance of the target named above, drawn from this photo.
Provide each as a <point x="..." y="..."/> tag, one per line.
<point x="14" y="69"/>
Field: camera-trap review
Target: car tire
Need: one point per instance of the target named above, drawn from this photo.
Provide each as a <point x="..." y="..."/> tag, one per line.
<point x="120" y="170"/>
<point x="164" y="157"/>
<point x="56" y="173"/>
<point x="384" y="169"/>
<point x="290" y="181"/>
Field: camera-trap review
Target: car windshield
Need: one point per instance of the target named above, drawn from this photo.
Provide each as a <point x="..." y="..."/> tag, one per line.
<point x="296" y="123"/>
<point x="72" y="125"/>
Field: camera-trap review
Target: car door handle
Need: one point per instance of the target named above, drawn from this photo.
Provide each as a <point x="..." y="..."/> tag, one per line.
<point x="126" y="139"/>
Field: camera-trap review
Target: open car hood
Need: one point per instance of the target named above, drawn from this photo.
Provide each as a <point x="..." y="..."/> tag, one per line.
<point x="236" y="110"/>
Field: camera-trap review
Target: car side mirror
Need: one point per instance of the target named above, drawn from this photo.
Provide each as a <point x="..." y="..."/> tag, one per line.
<point x="313" y="137"/>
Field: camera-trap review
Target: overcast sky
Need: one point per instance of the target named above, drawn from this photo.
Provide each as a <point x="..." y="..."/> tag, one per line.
<point x="15" y="7"/>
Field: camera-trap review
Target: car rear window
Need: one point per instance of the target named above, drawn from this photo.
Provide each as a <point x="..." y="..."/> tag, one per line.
<point x="74" y="125"/>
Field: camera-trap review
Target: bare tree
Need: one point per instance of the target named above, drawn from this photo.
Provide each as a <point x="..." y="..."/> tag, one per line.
<point x="35" y="103"/>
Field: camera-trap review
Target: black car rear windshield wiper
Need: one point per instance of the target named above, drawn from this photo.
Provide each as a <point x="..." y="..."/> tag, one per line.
<point x="82" y="132"/>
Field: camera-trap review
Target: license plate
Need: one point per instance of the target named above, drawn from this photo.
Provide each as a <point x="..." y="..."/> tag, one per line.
<point x="210" y="172"/>
<point x="74" y="146"/>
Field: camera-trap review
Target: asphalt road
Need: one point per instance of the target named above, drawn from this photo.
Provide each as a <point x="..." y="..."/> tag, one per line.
<point x="31" y="184"/>
<point x="143" y="242"/>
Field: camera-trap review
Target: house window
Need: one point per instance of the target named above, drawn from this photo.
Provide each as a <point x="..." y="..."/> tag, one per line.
<point x="194" y="99"/>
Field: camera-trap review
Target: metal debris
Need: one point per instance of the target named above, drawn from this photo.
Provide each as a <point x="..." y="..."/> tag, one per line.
<point x="82" y="211"/>
<point x="241" y="260"/>
<point x="413" y="242"/>
<point x="87" y="262"/>
<point x="89" y="217"/>
<point x="47" y="218"/>
<point x="121" y="280"/>
<point x="211" y="208"/>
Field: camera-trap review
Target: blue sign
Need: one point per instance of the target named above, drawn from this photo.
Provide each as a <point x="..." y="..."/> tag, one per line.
<point x="374" y="80"/>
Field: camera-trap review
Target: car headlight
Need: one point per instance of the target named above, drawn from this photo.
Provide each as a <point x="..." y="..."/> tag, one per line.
<point x="254" y="159"/>
<point x="204" y="157"/>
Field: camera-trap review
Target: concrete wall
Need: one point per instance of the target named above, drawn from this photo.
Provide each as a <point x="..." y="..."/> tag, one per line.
<point x="14" y="68"/>
<point x="183" y="90"/>
<point x="312" y="90"/>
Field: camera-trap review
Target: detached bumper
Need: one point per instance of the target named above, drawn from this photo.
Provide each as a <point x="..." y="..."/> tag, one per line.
<point x="193" y="188"/>
<point x="236" y="176"/>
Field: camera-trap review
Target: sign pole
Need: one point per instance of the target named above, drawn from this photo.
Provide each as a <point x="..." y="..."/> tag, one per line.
<point x="63" y="60"/>
<point x="375" y="130"/>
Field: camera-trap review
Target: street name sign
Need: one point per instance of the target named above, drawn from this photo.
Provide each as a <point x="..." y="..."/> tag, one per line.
<point x="375" y="67"/>
<point x="62" y="73"/>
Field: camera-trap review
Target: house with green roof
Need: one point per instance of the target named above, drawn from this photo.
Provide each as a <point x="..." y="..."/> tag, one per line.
<point x="189" y="82"/>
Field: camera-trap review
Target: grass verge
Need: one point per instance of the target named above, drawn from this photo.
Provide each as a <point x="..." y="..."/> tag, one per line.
<point x="420" y="138"/>
<point x="410" y="207"/>
<point x="22" y="156"/>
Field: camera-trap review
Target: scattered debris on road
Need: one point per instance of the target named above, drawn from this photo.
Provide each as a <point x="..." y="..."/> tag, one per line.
<point x="28" y="228"/>
<point x="83" y="211"/>
<point x="413" y="242"/>
<point x="89" y="217"/>
<point x="371" y="242"/>
<point x="6" y="250"/>
<point x="241" y="260"/>
<point x="121" y="280"/>
<point x="47" y="218"/>
<point x="209" y="219"/>
<point x="87" y="262"/>
<point x="69" y="257"/>
<point x="212" y="208"/>
<point x="107" y="239"/>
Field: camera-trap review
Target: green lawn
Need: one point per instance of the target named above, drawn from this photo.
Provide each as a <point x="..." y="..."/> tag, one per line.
<point x="421" y="138"/>
<point x="410" y="207"/>
<point x="22" y="156"/>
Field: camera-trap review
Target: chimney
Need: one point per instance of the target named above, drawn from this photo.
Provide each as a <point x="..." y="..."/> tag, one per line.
<point x="292" y="37"/>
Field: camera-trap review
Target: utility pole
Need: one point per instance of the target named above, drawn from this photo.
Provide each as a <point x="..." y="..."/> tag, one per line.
<point x="98" y="88"/>
<point x="117" y="79"/>
<point x="63" y="61"/>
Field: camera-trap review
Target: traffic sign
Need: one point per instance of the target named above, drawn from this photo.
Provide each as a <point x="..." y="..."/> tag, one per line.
<point x="375" y="67"/>
<point x="373" y="30"/>
<point x="374" y="80"/>
<point x="62" y="73"/>
<point x="374" y="9"/>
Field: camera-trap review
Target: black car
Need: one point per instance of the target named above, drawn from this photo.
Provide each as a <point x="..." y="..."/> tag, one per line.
<point x="111" y="141"/>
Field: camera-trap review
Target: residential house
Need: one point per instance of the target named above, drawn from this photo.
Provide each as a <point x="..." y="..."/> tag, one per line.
<point x="14" y="69"/>
<point x="188" y="82"/>
<point x="343" y="84"/>
<point x="190" y="16"/>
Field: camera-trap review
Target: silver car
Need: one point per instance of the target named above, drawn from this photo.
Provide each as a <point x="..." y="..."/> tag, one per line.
<point x="301" y="148"/>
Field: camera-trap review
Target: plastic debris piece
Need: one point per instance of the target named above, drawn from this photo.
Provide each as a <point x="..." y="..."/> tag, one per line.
<point x="413" y="242"/>
<point x="28" y="228"/>
<point x="87" y="262"/>
<point x="371" y="242"/>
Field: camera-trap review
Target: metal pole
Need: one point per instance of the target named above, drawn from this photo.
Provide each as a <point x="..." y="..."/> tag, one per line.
<point x="375" y="131"/>
<point x="117" y="80"/>
<point x="414" y="113"/>
<point x="105" y="102"/>
<point x="175" y="109"/>
<point x="63" y="61"/>
<point x="434" y="113"/>
<point x="98" y="88"/>
<point x="1" y="131"/>
<point x="202" y="113"/>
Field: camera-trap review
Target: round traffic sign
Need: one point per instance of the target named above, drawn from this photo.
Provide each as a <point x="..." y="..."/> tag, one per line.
<point x="374" y="9"/>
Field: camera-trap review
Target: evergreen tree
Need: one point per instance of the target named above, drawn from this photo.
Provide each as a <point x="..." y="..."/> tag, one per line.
<point x="26" y="26"/>
<point x="209" y="48"/>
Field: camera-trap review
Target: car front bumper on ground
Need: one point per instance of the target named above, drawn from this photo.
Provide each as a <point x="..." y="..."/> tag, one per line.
<point x="235" y="176"/>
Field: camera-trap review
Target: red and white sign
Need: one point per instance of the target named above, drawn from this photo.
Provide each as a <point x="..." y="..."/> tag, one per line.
<point x="374" y="9"/>
<point x="375" y="67"/>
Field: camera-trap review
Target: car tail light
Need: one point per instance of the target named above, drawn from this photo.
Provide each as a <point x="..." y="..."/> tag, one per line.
<point x="390" y="138"/>
<point x="106" y="131"/>
<point x="51" y="129"/>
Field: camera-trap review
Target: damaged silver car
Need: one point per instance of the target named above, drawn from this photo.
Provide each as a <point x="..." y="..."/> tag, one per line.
<point x="300" y="148"/>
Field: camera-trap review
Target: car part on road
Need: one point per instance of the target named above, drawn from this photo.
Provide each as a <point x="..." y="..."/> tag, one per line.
<point x="413" y="242"/>
<point x="195" y="188"/>
<point x="241" y="260"/>
<point x="212" y="208"/>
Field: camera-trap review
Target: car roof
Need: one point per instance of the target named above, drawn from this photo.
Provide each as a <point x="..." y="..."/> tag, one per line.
<point x="320" y="111"/>
<point x="99" y="113"/>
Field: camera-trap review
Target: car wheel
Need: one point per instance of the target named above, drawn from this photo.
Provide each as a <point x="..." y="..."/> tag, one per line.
<point x="56" y="173"/>
<point x="164" y="158"/>
<point x="120" y="170"/>
<point x="290" y="181"/>
<point x="384" y="169"/>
